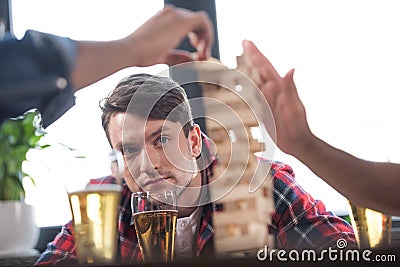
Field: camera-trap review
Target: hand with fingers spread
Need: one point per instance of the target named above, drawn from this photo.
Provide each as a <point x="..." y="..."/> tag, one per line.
<point x="366" y="183"/>
<point x="281" y="94"/>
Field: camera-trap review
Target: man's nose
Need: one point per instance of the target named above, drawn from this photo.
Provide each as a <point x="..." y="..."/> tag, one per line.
<point x="148" y="160"/>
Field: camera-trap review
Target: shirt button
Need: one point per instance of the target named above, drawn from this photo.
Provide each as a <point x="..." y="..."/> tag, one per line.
<point x="183" y="224"/>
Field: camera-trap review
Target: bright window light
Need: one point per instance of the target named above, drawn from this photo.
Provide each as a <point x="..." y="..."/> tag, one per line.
<point x="346" y="55"/>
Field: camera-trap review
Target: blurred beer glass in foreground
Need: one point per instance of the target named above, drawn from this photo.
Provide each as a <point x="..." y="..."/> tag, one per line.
<point x="95" y="222"/>
<point x="372" y="228"/>
<point x="155" y="216"/>
<point x="95" y="209"/>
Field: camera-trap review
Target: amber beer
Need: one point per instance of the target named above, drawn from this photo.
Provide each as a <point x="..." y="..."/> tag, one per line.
<point x="372" y="228"/>
<point x="95" y="223"/>
<point x="156" y="232"/>
<point x="155" y="215"/>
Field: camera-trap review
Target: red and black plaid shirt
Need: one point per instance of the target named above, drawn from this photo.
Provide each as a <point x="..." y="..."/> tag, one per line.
<point x="298" y="222"/>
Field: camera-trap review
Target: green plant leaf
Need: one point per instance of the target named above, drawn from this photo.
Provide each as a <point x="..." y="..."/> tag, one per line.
<point x="17" y="137"/>
<point x="15" y="189"/>
<point x="69" y="148"/>
<point x="30" y="178"/>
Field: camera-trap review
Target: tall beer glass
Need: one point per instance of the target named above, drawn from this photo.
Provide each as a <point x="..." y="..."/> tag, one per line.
<point x="95" y="223"/>
<point x="95" y="209"/>
<point x="372" y="228"/>
<point x="155" y="215"/>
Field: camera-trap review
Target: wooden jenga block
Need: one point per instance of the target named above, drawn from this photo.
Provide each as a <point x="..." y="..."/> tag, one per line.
<point x="233" y="110"/>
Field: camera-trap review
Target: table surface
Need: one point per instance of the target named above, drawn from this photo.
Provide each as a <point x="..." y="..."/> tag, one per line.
<point x="234" y="262"/>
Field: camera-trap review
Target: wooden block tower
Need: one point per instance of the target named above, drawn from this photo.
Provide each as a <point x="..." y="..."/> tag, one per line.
<point x="241" y="186"/>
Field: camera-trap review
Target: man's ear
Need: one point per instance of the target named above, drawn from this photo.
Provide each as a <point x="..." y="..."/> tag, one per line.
<point x="195" y="142"/>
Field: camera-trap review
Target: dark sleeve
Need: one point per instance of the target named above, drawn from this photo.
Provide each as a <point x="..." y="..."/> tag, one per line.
<point x="35" y="74"/>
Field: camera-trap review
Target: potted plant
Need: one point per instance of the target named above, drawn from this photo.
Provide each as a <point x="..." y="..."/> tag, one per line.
<point x="18" y="229"/>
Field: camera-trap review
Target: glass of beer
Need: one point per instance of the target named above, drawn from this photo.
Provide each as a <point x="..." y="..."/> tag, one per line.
<point x="155" y="215"/>
<point x="95" y="223"/>
<point x="95" y="210"/>
<point x="372" y="228"/>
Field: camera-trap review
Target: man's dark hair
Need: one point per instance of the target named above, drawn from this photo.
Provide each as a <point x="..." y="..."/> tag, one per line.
<point x="150" y="96"/>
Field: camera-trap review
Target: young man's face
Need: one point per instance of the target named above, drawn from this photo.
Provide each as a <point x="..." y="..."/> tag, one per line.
<point x="157" y="154"/>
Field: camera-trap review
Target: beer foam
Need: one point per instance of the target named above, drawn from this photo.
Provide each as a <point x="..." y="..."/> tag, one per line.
<point x="155" y="211"/>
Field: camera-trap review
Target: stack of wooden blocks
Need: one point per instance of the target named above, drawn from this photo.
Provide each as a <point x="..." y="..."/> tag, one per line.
<point x="232" y="108"/>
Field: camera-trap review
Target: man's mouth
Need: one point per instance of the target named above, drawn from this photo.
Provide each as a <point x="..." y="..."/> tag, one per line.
<point x="151" y="182"/>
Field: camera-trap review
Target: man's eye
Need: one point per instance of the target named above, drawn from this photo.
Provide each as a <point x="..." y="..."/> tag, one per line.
<point x="129" y="150"/>
<point x="163" y="140"/>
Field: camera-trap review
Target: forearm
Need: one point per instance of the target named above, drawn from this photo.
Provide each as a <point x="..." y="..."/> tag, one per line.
<point x="97" y="60"/>
<point x="370" y="184"/>
<point x="152" y="43"/>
